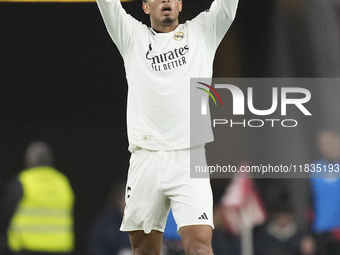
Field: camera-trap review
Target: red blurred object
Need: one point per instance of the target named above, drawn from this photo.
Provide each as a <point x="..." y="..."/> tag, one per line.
<point x="336" y="233"/>
<point x="241" y="204"/>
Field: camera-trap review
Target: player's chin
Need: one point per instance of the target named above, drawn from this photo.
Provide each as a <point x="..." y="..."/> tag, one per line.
<point x="167" y="21"/>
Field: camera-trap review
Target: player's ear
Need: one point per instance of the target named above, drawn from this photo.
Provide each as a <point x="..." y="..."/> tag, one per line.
<point x="180" y="5"/>
<point x="145" y="7"/>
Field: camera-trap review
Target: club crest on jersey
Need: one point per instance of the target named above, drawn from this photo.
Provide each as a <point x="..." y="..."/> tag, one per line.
<point x="179" y="36"/>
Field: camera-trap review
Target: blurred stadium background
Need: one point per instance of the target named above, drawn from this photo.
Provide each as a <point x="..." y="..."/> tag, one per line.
<point x="62" y="80"/>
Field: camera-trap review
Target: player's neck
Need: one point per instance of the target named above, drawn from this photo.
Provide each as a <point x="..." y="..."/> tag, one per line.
<point x="164" y="29"/>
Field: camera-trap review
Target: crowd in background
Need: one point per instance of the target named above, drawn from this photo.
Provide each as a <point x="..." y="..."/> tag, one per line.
<point x="36" y="214"/>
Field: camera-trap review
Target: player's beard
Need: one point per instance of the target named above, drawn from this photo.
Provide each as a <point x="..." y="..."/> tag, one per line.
<point x="168" y="21"/>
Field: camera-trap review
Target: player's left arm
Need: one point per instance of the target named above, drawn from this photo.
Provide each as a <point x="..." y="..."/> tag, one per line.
<point x="223" y="13"/>
<point x="215" y="22"/>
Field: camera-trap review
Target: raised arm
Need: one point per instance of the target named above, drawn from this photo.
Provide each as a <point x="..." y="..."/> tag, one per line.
<point x="215" y="22"/>
<point x="120" y="25"/>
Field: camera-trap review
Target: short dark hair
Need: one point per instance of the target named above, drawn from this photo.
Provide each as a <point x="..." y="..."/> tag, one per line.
<point x="38" y="153"/>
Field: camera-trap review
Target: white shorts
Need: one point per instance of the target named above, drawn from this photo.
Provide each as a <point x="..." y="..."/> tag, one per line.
<point x="160" y="179"/>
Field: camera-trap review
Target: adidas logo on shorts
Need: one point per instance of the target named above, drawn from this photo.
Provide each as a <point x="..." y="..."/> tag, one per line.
<point x="203" y="217"/>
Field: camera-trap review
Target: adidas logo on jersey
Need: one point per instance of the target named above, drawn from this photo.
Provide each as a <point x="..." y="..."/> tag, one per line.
<point x="203" y="217"/>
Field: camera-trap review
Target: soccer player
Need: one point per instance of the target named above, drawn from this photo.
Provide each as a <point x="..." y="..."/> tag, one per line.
<point x="159" y="62"/>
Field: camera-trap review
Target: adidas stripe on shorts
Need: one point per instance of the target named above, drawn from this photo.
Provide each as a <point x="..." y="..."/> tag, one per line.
<point x="160" y="179"/>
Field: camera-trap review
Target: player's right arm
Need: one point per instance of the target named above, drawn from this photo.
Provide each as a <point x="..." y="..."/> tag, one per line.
<point x="120" y="25"/>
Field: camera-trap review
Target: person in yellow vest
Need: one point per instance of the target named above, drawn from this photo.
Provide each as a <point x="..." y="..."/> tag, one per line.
<point x="36" y="215"/>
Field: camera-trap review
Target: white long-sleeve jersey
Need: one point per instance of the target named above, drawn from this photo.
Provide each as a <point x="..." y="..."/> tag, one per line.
<point x="158" y="71"/>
